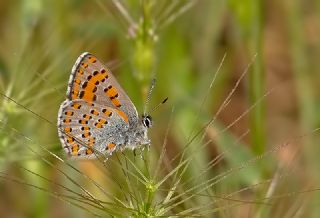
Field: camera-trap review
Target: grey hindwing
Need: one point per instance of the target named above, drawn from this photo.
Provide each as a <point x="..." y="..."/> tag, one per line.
<point x="89" y="126"/>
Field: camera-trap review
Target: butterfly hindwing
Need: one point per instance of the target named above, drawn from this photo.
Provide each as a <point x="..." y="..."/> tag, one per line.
<point x="91" y="81"/>
<point x="86" y="128"/>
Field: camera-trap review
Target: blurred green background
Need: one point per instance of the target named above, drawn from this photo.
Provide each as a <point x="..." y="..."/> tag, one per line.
<point x="265" y="132"/>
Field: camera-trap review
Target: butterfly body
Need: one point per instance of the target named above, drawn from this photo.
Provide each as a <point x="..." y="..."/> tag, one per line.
<point x="98" y="117"/>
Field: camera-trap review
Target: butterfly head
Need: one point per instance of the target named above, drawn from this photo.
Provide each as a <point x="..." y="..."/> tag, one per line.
<point x="147" y="121"/>
<point x="142" y="131"/>
<point x="139" y="133"/>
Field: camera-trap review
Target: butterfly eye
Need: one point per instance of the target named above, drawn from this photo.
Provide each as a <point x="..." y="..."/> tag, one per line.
<point x="147" y="121"/>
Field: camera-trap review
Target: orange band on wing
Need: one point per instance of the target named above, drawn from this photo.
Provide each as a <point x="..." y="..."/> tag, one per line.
<point x="123" y="115"/>
<point x="111" y="146"/>
<point x="76" y="106"/>
<point x="75" y="149"/>
<point x="112" y="92"/>
<point x="101" y="123"/>
<point x="92" y="59"/>
<point x="76" y="87"/>
<point x="116" y="102"/>
<point x="90" y="86"/>
<point x="91" y="142"/>
<point x="89" y="151"/>
<point x="67" y="129"/>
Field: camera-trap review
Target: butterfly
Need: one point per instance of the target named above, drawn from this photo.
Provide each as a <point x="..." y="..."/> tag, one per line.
<point x="97" y="116"/>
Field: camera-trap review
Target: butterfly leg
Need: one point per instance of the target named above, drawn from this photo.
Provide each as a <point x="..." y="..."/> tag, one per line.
<point x="140" y="152"/>
<point x="121" y="147"/>
<point x="134" y="153"/>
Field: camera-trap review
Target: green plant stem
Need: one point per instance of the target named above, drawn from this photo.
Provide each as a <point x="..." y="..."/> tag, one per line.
<point x="256" y="82"/>
<point x="144" y="45"/>
<point x="303" y="75"/>
<point x="150" y="194"/>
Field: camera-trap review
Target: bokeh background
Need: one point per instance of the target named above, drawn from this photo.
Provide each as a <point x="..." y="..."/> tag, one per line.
<point x="265" y="53"/>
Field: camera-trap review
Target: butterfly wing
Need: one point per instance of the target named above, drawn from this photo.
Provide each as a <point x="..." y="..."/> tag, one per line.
<point x="87" y="129"/>
<point x="91" y="81"/>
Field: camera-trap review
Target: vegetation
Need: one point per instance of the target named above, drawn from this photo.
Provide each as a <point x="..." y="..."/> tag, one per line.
<point x="238" y="136"/>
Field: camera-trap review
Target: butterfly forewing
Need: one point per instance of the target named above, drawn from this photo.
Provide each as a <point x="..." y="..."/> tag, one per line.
<point x="91" y="81"/>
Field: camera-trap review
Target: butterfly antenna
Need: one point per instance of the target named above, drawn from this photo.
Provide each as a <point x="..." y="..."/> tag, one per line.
<point x="153" y="83"/>
<point x="161" y="103"/>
